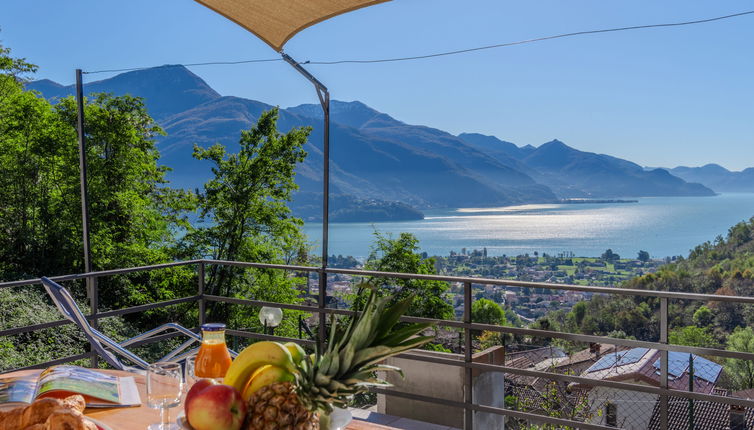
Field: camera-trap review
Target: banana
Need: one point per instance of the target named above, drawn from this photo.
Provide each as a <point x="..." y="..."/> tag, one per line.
<point x="265" y="376"/>
<point x="297" y="352"/>
<point x="255" y="356"/>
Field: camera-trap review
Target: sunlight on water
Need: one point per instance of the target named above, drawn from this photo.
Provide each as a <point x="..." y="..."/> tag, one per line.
<point x="662" y="226"/>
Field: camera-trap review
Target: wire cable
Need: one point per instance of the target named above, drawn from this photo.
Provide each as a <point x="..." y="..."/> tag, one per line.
<point x="446" y="53"/>
<point x="209" y="63"/>
<point x="539" y="39"/>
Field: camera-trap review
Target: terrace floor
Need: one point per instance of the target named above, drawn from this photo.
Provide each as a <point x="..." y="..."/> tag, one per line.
<point x="365" y="419"/>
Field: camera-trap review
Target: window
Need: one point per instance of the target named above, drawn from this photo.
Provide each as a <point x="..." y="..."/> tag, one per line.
<point x="611" y="414"/>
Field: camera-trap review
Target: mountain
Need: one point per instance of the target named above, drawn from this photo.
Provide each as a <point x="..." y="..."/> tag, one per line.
<point x="500" y="149"/>
<point x="573" y="173"/>
<point x="375" y="158"/>
<point x="717" y="177"/>
<point x="167" y="89"/>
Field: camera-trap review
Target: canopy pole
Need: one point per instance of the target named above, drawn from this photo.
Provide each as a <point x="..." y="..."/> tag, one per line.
<point x="324" y="100"/>
<point x="82" y="173"/>
<point x="91" y="287"/>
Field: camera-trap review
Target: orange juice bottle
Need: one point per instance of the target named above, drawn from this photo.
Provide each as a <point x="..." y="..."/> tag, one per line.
<point x="213" y="359"/>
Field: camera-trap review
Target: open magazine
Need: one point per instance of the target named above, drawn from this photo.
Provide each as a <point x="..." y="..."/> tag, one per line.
<point x="100" y="390"/>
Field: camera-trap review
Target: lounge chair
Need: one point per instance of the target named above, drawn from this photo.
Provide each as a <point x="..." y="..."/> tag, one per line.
<point x="101" y="343"/>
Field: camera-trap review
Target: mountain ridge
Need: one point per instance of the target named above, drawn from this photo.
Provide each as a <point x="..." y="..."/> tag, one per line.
<point x="375" y="157"/>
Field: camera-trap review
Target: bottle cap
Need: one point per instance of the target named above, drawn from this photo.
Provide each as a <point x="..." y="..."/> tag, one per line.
<point x="213" y="327"/>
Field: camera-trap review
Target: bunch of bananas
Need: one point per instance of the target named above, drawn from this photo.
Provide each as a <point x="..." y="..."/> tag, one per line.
<point x="261" y="364"/>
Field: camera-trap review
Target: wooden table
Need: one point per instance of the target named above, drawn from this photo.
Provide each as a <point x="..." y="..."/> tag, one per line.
<point x="138" y="418"/>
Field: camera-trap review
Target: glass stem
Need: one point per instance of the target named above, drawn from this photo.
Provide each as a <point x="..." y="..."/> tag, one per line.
<point x="165" y="418"/>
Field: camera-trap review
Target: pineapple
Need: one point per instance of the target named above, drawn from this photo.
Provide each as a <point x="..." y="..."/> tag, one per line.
<point x="345" y="368"/>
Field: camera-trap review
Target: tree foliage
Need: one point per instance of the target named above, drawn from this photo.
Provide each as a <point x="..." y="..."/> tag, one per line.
<point x="692" y="336"/>
<point x="401" y="255"/>
<point x="485" y="311"/>
<point x="136" y="218"/>
<point x="244" y="217"/>
<point x="741" y="372"/>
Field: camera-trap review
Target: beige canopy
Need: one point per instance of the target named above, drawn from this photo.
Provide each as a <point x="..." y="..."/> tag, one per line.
<point x="276" y="21"/>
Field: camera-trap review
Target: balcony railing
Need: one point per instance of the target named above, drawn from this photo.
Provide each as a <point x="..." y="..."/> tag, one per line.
<point x="665" y="393"/>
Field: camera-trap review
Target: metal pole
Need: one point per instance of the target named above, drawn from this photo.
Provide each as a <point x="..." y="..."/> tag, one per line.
<point x="664" y="363"/>
<point x="691" y="389"/>
<point x="91" y="283"/>
<point x="324" y="100"/>
<point x="82" y="173"/>
<point x="200" y="293"/>
<point x="468" y="393"/>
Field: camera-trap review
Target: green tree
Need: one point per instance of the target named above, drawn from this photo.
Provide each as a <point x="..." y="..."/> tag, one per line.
<point x="401" y="255"/>
<point x="579" y="312"/>
<point x="741" y="372"/>
<point x="609" y="256"/>
<point x="692" y="336"/>
<point x="485" y="311"/>
<point x="703" y="316"/>
<point x="245" y="217"/>
<point x="643" y="256"/>
<point x="133" y="215"/>
<point x="13" y="72"/>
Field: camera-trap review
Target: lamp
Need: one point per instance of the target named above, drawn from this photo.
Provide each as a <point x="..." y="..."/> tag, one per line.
<point x="270" y="317"/>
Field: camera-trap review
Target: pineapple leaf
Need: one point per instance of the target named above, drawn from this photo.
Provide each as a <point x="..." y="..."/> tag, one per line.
<point x="393" y="315"/>
<point x="324" y="363"/>
<point x="399" y="336"/>
<point x="381" y="354"/>
<point x="383" y="368"/>
<point x="346" y="359"/>
<point x="334" y="366"/>
<point x="365" y="324"/>
<point x="333" y="331"/>
<point x="374" y="382"/>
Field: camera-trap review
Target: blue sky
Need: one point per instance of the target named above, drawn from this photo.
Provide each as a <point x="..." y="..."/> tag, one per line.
<point x="659" y="97"/>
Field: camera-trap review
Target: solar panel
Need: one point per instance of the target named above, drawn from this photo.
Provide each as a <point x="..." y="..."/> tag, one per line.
<point x="678" y="364"/>
<point x="707" y="370"/>
<point x="632" y="356"/>
<point x="620" y="358"/>
<point x="605" y="362"/>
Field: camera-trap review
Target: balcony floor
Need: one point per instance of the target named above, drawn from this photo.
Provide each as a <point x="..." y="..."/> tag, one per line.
<point x="365" y="419"/>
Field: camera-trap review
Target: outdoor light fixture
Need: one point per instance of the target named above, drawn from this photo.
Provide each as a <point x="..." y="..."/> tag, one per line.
<point x="270" y="317"/>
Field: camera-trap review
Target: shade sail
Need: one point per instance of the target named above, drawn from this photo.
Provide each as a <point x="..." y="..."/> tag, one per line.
<point x="276" y="21"/>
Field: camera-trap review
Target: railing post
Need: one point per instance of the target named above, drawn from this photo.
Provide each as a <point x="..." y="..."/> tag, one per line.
<point x="321" y="300"/>
<point x="200" y="293"/>
<point x="93" y="293"/>
<point x="468" y="394"/>
<point x="664" y="363"/>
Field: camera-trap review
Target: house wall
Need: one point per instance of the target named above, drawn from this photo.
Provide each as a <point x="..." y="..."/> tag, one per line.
<point x="634" y="409"/>
<point x="445" y="382"/>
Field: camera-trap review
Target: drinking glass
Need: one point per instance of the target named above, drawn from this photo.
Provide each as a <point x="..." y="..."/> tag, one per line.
<point x="189" y="374"/>
<point x="164" y="385"/>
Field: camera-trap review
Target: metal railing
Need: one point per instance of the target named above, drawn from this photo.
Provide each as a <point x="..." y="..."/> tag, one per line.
<point x="663" y="392"/>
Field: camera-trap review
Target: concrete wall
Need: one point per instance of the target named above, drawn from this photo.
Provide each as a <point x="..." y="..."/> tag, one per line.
<point x="427" y="379"/>
<point x="634" y="409"/>
<point x="445" y="382"/>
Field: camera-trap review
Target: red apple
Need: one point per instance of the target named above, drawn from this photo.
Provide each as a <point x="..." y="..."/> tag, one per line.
<point x="216" y="407"/>
<point x="198" y="386"/>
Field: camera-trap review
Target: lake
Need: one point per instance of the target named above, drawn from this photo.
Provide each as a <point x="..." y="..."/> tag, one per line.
<point x="663" y="226"/>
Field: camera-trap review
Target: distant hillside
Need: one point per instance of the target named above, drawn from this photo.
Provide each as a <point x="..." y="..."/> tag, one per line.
<point x="574" y="173"/>
<point x="722" y="267"/>
<point x="717" y="177"/>
<point x="375" y="157"/>
<point x="167" y="89"/>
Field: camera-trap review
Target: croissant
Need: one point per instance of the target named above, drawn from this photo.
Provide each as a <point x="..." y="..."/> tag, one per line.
<point x="68" y="419"/>
<point x="37" y="416"/>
